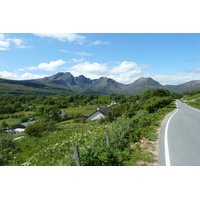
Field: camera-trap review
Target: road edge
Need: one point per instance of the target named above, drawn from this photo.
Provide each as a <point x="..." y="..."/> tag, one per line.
<point x="163" y="135"/>
<point x="166" y="146"/>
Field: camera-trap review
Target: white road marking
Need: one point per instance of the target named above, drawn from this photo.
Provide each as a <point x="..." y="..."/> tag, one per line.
<point x="167" y="157"/>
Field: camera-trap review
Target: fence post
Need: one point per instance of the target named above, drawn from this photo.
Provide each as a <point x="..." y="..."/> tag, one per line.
<point x="77" y="157"/>
<point x="120" y="127"/>
<point x="107" y="139"/>
<point x="127" y="124"/>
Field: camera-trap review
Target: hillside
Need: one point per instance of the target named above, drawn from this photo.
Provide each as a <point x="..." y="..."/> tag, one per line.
<point x="65" y="83"/>
<point x="138" y="86"/>
<point x="188" y="86"/>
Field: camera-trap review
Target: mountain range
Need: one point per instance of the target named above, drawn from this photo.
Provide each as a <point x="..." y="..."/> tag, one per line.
<point x="66" y="83"/>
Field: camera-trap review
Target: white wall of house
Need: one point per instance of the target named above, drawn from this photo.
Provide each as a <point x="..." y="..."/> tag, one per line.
<point x="95" y="116"/>
<point x="98" y="116"/>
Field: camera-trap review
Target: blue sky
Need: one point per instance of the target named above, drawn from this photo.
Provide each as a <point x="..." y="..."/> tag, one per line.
<point x="169" y="58"/>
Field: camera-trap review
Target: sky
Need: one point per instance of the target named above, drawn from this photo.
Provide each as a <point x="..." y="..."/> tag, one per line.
<point x="169" y="58"/>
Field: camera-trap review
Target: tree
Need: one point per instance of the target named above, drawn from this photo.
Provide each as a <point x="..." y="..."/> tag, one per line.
<point x="4" y="124"/>
<point x="49" y="113"/>
<point x="147" y="94"/>
<point x="158" y="102"/>
<point x="36" y="129"/>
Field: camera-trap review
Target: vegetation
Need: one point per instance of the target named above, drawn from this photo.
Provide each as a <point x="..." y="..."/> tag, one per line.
<point x="50" y="141"/>
<point x="192" y="98"/>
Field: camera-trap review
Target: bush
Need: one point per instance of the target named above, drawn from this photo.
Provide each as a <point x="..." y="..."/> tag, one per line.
<point x="4" y="124"/>
<point x="24" y="119"/>
<point x="158" y="102"/>
<point x="51" y="126"/>
<point x="7" y="143"/>
<point x="36" y="129"/>
<point x="7" y="149"/>
<point x="103" y="157"/>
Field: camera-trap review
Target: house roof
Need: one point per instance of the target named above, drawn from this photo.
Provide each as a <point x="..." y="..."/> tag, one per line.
<point x="25" y="124"/>
<point x="63" y="113"/>
<point x="103" y="111"/>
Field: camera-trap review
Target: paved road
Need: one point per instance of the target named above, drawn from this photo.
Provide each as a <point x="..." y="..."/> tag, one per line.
<point x="180" y="138"/>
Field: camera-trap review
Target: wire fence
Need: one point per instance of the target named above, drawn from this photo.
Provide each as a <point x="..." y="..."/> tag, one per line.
<point x="105" y="140"/>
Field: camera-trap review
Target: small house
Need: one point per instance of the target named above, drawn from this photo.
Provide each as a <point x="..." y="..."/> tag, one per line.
<point x="99" y="113"/>
<point x="63" y="113"/>
<point x="113" y="103"/>
<point x="19" y="130"/>
<point x="24" y="125"/>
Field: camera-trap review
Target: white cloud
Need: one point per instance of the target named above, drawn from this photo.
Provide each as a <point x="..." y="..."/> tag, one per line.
<point x="98" y="42"/>
<point x="82" y="53"/>
<point x="77" y="53"/>
<point x="21" y="70"/>
<point x="15" y="76"/>
<point x="8" y="75"/>
<point x="77" y="60"/>
<point x="91" y="70"/>
<point x="125" y="67"/>
<point x="52" y="66"/>
<point x="3" y="48"/>
<point x="27" y="76"/>
<point x="17" y="42"/>
<point x="63" y="37"/>
<point x="124" y="72"/>
<point x="6" y="42"/>
<point x="196" y="69"/>
<point x="173" y="79"/>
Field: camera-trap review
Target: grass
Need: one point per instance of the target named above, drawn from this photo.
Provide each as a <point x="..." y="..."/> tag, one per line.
<point x="17" y="119"/>
<point x="195" y="104"/>
<point x="67" y="121"/>
<point x="54" y="147"/>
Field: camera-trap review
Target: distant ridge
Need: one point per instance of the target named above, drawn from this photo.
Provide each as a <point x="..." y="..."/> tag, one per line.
<point x="66" y="83"/>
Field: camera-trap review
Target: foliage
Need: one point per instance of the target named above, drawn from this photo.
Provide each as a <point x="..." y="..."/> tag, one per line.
<point x="49" y="113"/>
<point x="102" y="155"/>
<point x="121" y="138"/>
<point x="24" y="119"/>
<point x="157" y="102"/>
<point x="36" y="129"/>
<point x="4" y="124"/>
<point x="125" y="109"/>
<point x="7" y="149"/>
<point x="147" y="94"/>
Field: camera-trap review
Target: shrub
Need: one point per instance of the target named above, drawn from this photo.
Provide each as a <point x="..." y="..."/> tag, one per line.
<point x="4" y="124"/>
<point x="158" y="102"/>
<point x="36" y="129"/>
<point x="24" y="119"/>
<point x="7" y="143"/>
<point x="7" y="149"/>
<point x="51" y="126"/>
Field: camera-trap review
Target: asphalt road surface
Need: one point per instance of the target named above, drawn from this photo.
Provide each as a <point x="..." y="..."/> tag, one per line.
<point x="180" y="137"/>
